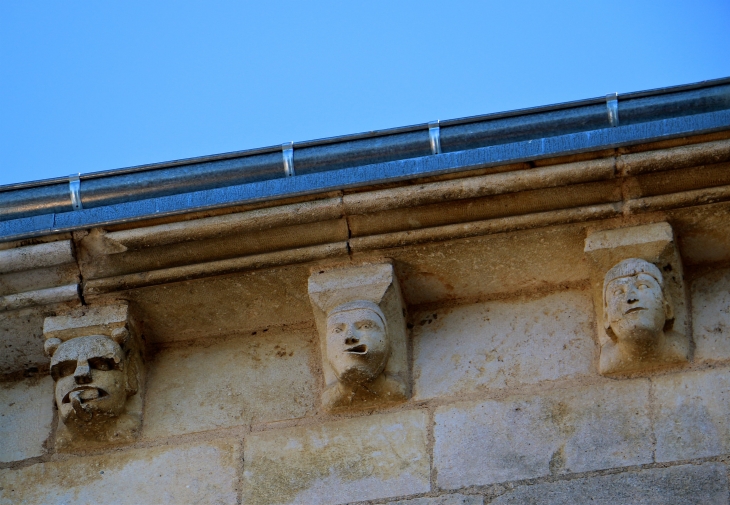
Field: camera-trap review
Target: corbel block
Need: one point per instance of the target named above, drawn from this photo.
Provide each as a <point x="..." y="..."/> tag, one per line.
<point x="97" y="368"/>
<point x="640" y="298"/>
<point x="360" y="317"/>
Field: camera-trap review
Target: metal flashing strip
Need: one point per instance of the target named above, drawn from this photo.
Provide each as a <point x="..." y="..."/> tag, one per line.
<point x="366" y="175"/>
<point x="151" y="167"/>
<point x="74" y="189"/>
<point x="612" y="106"/>
<point x="287" y="151"/>
<point x="434" y="137"/>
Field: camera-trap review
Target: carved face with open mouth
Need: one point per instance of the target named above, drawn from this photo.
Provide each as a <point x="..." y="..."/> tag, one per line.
<point x="635" y="307"/>
<point x="357" y="342"/>
<point x="90" y="378"/>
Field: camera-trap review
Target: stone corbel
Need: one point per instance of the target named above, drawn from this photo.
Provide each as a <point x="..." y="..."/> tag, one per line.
<point x="640" y="298"/>
<point x="96" y="365"/>
<point x="360" y="316"/>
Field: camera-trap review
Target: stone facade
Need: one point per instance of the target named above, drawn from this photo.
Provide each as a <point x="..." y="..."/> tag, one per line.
<point x="481" y="296"/>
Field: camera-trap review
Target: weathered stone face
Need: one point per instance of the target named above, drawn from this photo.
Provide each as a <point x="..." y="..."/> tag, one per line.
<point x="91" y="380"/>
<point x="641" y="308"/>
<point x="636" y="307"/>
<point x="96" y="365"/>
<point x="358" y="345"/>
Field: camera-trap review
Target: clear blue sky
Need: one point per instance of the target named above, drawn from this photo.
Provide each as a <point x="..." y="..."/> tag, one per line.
<point x="89" y="86"/>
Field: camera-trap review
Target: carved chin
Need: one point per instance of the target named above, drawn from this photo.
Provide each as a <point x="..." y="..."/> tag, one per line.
<point x="358" y="370"/>
<point x="357" y="375"/>
<point x="85" y="404"/>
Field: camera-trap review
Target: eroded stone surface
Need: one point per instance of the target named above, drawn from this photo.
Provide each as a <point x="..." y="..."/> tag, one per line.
<point x="681" y="485"/>
<point x="692" y="412"/>
<point x="21" y="339"/>
<point x="524" y="437"/>
<point x="26" y="414"/>
<point x="365" y="458"/>
<point x="238" y="381"/>
<point x="503" y="343"/>
<point x="450" y="499"/>
<point x="711" y="316"/>
<point x="204" y="473"/>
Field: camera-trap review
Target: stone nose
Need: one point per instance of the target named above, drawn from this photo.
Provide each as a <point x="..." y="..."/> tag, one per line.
<point x="82" y="374"/>
<point x="350" y="337"/>
<point x="631" y="296"/>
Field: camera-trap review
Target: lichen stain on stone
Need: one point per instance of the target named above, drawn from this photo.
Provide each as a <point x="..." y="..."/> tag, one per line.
<point x="560" y="415"/>
<point x="557" y="461"/>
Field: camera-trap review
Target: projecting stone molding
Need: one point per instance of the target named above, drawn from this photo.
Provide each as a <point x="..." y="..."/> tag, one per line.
<point x="96" y="366"/>
<point x="640" y="297"/>
<point x="360" y="316"/>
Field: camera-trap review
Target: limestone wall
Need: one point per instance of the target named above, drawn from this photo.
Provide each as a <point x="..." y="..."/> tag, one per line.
<point x="489" y="292"/>
<point x="507" y="408"/>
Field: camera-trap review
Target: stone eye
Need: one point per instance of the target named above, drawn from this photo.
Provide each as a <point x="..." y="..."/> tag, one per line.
<point x="103" y="364"/>
<point x="63" y="369"/>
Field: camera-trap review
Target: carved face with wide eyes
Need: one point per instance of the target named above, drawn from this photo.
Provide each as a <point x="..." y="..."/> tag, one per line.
<point x="635" y="307"/>
<point x="357" y="345"/>
<point x="90" y="380"/>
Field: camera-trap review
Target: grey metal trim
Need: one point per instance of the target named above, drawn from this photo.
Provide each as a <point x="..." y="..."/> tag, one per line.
<point x="74" y="189"/>
<point x="392" y="171"/>
<point x="434" y="136"/>
<point x="612" y="106"/>
<point x="654" y="94"/>
<point x="287" y="151"/>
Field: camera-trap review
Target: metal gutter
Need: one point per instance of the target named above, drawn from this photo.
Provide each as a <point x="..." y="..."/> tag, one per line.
<point x="36" y="208"/>
<point x="367" y="175"/>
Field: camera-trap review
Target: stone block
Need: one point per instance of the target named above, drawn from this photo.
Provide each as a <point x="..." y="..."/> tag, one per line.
<point x="26" y="414"/>
<point x="523" y="437"/>
<point x="680" y="485"/>
<point x="711" y="316"/>
<point x="449" y="499"/>
<point x="503" y="344"/>
<point x="21" y="340"/>
<point x="233" y="382"/>
<point x="83" y="321"/>
<point x="202" y="473"/>
<point x="358" y="459"/>
<point x="691" y="414"/>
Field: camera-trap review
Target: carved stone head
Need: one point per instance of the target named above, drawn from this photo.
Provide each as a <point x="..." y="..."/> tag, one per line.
<point x="641" y="308"/>
<point x="96" y="365"/>
<point x="361" y="321"/>
<point x="358" y="346"/>
<point x="636" y="308"/>
<point x="92" y="377"/>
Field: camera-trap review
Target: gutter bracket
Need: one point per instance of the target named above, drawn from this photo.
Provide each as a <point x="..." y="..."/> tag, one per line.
<point x="287" y="151"/>
<point x="612" y="105"/>
<point x="434" y="136"/>
<point x="74" y="189"/>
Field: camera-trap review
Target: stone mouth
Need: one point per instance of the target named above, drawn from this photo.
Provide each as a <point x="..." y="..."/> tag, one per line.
<point x="85" y="394"/>
<point x="358" y="349"/>
<point x="634" y="309"/>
